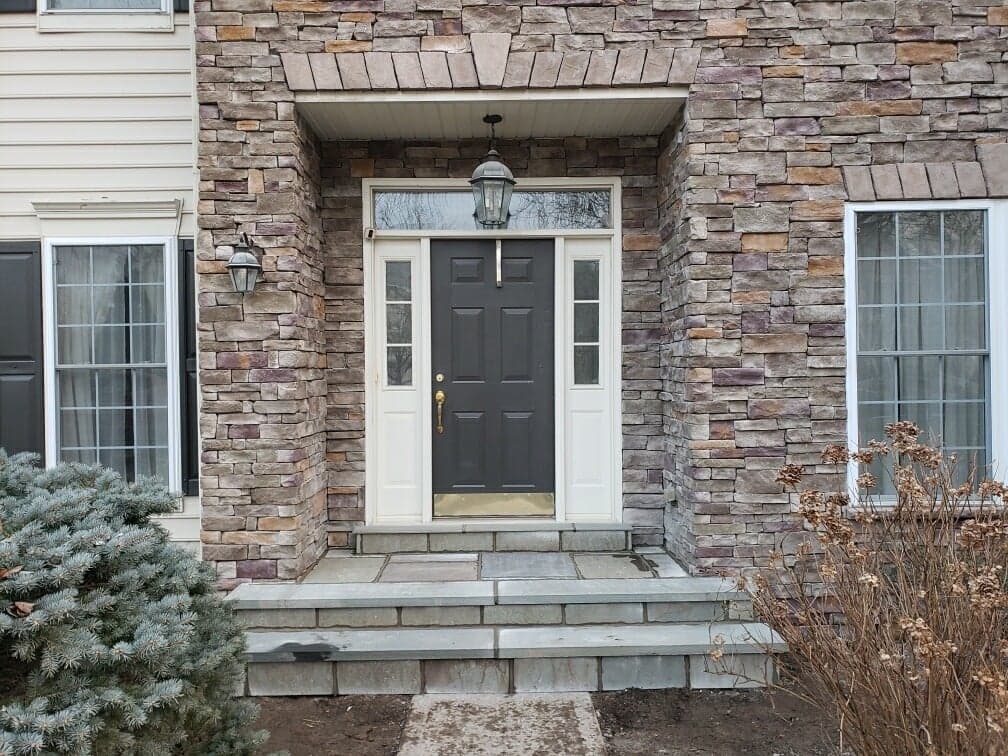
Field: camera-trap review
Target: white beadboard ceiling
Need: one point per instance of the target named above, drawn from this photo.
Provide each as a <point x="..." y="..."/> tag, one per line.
<point x="634" y="111"/>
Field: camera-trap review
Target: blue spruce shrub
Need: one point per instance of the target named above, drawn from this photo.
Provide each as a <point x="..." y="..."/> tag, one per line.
<point x="112" y="639"/>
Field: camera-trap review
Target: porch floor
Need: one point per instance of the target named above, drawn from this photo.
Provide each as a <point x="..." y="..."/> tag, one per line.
<point x="341" y="566"/>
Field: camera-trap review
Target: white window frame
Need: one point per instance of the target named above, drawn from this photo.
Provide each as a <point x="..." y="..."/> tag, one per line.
<point x="997" y="313"/>
<point x="105" y="19"/>
<point x="172" y="346"/>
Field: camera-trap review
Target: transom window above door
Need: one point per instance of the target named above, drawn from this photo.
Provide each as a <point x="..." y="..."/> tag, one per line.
<point x="921" y="326"/>
<point x="531" y="210"/>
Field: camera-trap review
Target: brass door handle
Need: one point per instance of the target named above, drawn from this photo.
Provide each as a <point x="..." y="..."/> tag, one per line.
<point x="439" y="399"/>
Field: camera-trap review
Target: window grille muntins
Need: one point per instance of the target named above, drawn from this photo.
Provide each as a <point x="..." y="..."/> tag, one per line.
<point x="111" y="346"/>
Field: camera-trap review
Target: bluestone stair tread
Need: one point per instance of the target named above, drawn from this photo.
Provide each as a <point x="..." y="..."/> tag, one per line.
<point x="636" y="640"/>
<point x="356" y="595"/>
<point x="545" y="641"/>
<point x="482" y="593"/>
<point x="350" y="645"/>
<point x="613" y="590"/>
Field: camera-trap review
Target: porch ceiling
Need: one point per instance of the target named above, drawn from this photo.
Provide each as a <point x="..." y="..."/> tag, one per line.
<point x="459" y="114"/>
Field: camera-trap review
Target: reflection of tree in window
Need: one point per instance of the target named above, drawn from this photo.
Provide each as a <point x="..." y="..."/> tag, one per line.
<point x="529" y="210"/>
<point x="560" y="209"/>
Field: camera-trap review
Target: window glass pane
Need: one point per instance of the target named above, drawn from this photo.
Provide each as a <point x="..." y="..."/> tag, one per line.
<point x="147" y="304"/>
<point x="965" y="280"/>
<point x="876" y="377"/>
<point x="586" y="322"/>
<point x="112" y="345"/>
<point x="876" y="235"/>
<point x="399" y="324"/>
<point x="919" y="234"/>
<point x="965" y="327"/>
<point x="74" y="345"/>
<point x="111" y="265"/>
<point x="115" y="426"/>
<point x="73" y="304"/>
<point x="920" y="280"/>
<point x="117" y="416"/>
<point x="586" y="279"/>
<point x="76" y="388"/>
<point x="964" y="233"/>
<point x="78" y="428"/>
<point x="586" y="365"/>
<point x="110" y="304"/>
<point x="148" y="344"/>
<point x="965" y="424"/>
<point x="964" y="377"/>
<point x="400" y="365"/>
<point x="873" y="418"/>
<point x="147" y="263"/>
<point x="397" y="281"/>
<point x="927" y="416"/>
<point x="920" y="378"/>
<point x="920" y="328"/>
<point x="876" y="329"/>
<point x="530" y="209"/>
<point x="876" y="281"/>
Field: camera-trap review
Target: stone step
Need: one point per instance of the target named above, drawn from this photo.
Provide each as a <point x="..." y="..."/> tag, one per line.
<point x="510" y="659"/>
<point x="489" y="603"/>
<point x="491" y="536"/>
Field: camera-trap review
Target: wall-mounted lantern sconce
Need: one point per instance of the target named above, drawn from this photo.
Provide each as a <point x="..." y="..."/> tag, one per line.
<point x="244" y="266"/>
<point x="492" y="182"/>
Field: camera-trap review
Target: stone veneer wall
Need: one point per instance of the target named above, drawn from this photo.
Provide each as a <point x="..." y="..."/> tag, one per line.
<point x="794" y="108"/>
<point x="797" y="107"/>
<point x="634" y="159"/>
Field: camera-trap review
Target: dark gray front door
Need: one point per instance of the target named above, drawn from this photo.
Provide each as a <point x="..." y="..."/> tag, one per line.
<point x="492" y="357"/>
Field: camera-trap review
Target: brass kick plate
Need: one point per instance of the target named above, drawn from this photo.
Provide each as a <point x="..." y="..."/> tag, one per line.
<point x="494" y="505"/>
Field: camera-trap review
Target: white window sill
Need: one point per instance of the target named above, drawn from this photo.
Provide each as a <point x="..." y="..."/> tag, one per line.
<point x="106" y="21"/>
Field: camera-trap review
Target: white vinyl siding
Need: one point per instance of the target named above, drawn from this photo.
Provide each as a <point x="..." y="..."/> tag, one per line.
<point x="94" y="116"/>
<point x="923" y="344"/>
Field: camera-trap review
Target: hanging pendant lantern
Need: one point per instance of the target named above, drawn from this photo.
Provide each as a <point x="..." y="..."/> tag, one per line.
<point x="492" y="183"/>
<point x="244" y="266"/>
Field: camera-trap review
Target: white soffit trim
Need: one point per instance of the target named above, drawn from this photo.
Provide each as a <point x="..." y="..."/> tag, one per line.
<point x="458" y="114"/>
<point x="109" y="218"/>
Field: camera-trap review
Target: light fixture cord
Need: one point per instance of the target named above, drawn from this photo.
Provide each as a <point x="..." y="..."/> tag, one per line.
<point x="493" y="135"/>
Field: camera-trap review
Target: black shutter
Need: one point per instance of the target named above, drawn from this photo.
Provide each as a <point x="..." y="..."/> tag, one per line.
<point x="22" y="418"/>
<point x="187" y="372"/>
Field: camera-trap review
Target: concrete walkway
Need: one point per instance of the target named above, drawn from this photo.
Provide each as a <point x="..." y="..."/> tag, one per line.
<point x="549" y="724"/>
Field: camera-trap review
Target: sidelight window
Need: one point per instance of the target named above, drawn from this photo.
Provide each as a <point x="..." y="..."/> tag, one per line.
<point x="586" y="322"/>
<point x="114" y="379"/>
<point x="399" y="322"/>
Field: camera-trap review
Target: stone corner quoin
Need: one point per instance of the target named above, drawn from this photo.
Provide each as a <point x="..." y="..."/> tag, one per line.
<point x="733" y="302"/>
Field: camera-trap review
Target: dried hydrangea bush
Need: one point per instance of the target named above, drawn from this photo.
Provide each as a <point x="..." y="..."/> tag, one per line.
<point x="895" y="608"/>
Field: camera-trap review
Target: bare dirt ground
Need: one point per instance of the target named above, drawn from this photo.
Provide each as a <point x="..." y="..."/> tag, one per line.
<point x="659" y="722"/>
<point x="721" y="723"/>
<point x="350" y="725"/>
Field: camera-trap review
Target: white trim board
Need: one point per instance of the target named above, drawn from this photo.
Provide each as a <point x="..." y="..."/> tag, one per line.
<point x="406" y="496"/>
<point x="997" y="270"/>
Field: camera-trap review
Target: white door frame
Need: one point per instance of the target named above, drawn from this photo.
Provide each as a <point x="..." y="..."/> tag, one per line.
<point x="610" y="317"/>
